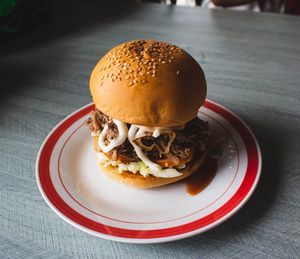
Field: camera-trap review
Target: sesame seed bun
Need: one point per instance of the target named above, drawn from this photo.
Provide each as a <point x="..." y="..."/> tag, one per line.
<point x="139" y="181"/>
<point x="149" y="83"/>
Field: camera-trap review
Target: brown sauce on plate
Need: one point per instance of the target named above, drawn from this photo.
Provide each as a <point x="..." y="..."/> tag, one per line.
<point x="199" y="180"/>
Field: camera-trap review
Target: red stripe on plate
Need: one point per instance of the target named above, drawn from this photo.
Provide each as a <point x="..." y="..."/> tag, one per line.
<point x="228" y="207"/>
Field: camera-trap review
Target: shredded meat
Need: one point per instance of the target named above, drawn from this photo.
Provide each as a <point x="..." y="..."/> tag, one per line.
<point x="97" y="121"/>
<point x="170" y="149"/>
<point x="112" y="132"/>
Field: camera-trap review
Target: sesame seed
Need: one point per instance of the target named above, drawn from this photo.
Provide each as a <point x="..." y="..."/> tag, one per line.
<point x="147" y="54"/>
<point x="178" y="72"/>
<point x="130" y="83"/>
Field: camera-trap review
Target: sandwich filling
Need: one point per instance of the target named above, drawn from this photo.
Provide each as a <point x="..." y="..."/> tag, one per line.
<point x="161" y="152"/>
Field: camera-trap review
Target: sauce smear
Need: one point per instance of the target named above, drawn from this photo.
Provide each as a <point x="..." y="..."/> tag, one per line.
<point x="199" y="180"/>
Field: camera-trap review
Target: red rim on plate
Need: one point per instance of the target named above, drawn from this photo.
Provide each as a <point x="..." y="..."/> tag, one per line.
<point x="155" y="235"/>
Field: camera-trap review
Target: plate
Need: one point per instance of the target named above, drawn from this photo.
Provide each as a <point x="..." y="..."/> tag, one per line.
<point x="73" y="185"/>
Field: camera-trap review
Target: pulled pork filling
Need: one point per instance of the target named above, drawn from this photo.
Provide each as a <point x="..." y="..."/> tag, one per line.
<point x="172" y="148"/>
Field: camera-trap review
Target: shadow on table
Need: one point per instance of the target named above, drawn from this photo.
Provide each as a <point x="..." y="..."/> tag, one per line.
<point x="24" y="58"/>
<point x="69" y="17"/>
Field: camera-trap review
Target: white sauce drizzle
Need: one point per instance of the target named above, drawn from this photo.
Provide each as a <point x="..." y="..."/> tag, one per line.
<point x="156" y="131"/>
<point x="141" y="132"/>
<point x="122" y="129"/>
<point x="135" y="132"/>
<point x="156" y="169"/>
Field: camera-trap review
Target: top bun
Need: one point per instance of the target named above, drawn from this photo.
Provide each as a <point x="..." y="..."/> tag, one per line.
<point x="150" y="83"/>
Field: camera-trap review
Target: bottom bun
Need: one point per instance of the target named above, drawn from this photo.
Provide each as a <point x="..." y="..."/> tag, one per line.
<point x="139" y="181"/>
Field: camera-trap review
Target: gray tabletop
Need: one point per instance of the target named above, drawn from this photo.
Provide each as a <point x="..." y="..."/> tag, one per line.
<point x="252" y="65"/>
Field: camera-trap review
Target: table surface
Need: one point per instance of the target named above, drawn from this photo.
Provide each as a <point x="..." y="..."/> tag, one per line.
<point x="252" y="65"/>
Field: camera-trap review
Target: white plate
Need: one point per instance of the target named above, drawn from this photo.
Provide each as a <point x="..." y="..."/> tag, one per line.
<point x="76" y="189"/>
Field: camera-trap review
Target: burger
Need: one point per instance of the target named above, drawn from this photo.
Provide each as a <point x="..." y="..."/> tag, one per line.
<point x="145" y="127"/>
